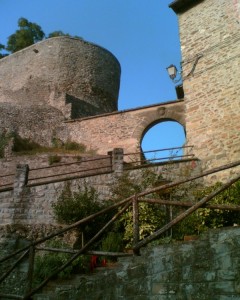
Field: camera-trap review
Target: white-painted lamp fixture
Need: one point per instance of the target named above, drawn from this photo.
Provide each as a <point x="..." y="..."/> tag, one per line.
<point x="172" y="71"/>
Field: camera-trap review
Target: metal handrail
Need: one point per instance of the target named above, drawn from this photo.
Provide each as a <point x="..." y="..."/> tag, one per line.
<point x="162" y="159"/>
<point x="68" y="173"/>
<point x="7" y="186"/>
<point x="158" y="150"/>
<point x="72" y="163"/>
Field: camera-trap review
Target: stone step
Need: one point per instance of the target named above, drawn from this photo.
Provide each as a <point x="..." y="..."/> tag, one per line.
<point x="65" y="287"/>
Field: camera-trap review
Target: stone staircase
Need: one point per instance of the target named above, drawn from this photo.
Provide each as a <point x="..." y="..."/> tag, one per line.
<point x="77" y="287"/>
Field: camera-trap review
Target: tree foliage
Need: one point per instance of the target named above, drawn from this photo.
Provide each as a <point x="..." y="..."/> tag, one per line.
<point x="27" y="34"/>
<point x="57" y="33"/>
<point x="2" y="48"/>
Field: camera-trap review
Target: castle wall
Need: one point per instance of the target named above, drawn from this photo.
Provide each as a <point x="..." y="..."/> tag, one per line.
<point x="124" y="129"/>
<point x="42" y="73"/>
<point x="211" y="30"/>
<point x="38" y="123"/>
<point x="31" y="204"/>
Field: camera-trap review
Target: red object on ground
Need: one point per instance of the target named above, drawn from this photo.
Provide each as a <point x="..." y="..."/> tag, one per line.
<point x="93" y="263"/>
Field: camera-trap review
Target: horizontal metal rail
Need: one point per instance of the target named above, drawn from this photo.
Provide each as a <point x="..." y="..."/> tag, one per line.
<point x="66" y="179"/>
<point x="7" y="189"/>
<point x="170" y="158"/>
<point x="7" y="184"/>
<point x="72" y="163"/>
<point x="98" y="159"/>
<point x="68" y="173"/>
<point x="158" y="150"/>
<point x="6" y="175"/>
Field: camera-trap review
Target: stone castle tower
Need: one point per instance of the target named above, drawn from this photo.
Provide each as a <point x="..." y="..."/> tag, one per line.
<point x="67" y="88"/>
<point x="210" y="45"/>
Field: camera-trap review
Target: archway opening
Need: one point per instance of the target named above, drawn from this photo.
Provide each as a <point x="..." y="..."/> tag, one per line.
<point x="167" y="137"/>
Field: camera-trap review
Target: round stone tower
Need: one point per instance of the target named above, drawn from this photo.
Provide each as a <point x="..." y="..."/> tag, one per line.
<point x="76" y="77"/>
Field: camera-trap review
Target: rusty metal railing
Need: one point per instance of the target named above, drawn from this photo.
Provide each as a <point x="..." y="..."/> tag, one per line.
<point x="119" y="208"/>
<point x="103" y="166"/>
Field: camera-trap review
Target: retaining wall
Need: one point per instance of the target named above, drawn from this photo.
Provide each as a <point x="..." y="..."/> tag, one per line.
<point x="32" y="205"/>
<point x="204" y="269"/>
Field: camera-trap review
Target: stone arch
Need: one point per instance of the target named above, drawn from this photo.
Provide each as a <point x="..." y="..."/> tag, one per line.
<point x="170" y="112"/>
<point x="162" y="120"/>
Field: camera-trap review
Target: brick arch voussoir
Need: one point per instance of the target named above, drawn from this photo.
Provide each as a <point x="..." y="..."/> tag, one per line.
<point x="154" y="117"/>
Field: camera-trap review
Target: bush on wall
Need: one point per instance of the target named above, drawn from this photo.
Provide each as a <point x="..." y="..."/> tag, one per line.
<point x="154" y="216"/>
<point x="151" y="216"/>
<point x="46" y="263"/>
<point x="71" y="207"/>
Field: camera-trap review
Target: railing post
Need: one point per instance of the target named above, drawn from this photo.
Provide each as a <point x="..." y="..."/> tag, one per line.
<point x="20" y="181"/>
<point x="135" y="224"/>
<point x="30" y="269"/>
<point x="117" y="161"/>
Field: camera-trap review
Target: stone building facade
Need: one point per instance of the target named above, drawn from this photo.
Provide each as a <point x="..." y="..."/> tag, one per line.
<point x="67" y="88"/>
<point x="210" y="46"/>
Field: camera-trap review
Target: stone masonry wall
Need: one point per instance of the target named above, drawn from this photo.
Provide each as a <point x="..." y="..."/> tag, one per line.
<point x="210" y="31"/>
<point x="205" y="269"/>
<point x="124" y="129"/>
<point x="42" y="73"/>
<point x="32" y="205"/>
<point x="38" y="123"/>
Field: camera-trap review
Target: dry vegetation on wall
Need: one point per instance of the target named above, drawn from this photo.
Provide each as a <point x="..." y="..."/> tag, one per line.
<point x="25" y="146"/>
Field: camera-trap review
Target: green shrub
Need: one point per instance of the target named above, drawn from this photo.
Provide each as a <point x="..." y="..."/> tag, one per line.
<point x="68" y="146"/>
<point x="74" y="206"/>
<point x="113" y="242"/>
<point x="206" y="218"/>
<point x="151" y="216"/>
<point x="48" y="262"/>
<point x="219" y="218"/>
<point x="57" y="143"/>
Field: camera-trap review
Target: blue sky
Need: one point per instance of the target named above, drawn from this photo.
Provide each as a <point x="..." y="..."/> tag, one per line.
<point x="143" y="35"/>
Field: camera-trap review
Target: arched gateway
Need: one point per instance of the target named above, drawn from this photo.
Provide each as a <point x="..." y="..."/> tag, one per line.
<point x="123" y="129"/>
